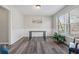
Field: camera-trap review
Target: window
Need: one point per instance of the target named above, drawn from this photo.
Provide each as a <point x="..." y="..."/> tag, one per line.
<point x="69" y="22"/>
<point x="61" y="24"/>
<point x="74" y="21"/>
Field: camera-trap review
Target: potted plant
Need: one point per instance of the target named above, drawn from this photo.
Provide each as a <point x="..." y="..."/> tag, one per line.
<point x="58" y="38"/>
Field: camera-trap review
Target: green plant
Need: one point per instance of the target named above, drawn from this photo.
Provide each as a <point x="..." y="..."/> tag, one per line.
<point x="58" y="37"/>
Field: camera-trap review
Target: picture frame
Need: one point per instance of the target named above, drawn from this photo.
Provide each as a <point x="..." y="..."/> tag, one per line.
<point x="37" y="20"/>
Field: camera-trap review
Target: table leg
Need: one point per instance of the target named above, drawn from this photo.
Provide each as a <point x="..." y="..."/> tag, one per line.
<point x="44" y="35"/>
<point x="30" y="35"/>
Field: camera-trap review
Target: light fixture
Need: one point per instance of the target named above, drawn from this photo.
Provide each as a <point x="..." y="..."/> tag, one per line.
<point x="37" y="6"/>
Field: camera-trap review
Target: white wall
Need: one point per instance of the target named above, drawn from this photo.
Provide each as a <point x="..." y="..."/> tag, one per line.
<point x="46" y="25"/>
<point x="16" y="25"/>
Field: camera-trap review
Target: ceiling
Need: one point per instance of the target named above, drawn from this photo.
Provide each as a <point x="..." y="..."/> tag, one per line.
<point x="45" y="10"/>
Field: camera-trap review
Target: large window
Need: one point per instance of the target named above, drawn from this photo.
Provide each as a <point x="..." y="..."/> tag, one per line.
<point x="63" y="23"/>
<point x="69" y="22"/>
<point x="74" y="21"/>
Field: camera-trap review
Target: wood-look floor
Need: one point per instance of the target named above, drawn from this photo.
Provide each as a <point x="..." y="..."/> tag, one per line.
<point x="36" y="46"/>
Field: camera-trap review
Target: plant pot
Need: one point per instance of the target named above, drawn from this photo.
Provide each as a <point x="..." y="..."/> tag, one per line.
<point x="58" y="42"/>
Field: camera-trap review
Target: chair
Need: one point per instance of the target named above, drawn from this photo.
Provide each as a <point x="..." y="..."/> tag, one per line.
<point x="74" y="47"/>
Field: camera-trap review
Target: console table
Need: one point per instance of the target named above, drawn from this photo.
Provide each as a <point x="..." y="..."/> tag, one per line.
<point x="30" y="34"/>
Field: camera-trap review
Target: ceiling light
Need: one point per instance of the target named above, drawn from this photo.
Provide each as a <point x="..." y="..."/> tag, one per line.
<point x="37" y="6"/>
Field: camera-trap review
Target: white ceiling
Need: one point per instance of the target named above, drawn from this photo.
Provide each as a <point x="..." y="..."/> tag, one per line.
<point x="45" y="10"/>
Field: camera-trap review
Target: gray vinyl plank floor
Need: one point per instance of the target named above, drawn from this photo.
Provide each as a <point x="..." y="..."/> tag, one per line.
<point x="36" y="46"/>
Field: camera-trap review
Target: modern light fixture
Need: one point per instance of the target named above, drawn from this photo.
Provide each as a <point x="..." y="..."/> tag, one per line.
<point x="37" y="6"/>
